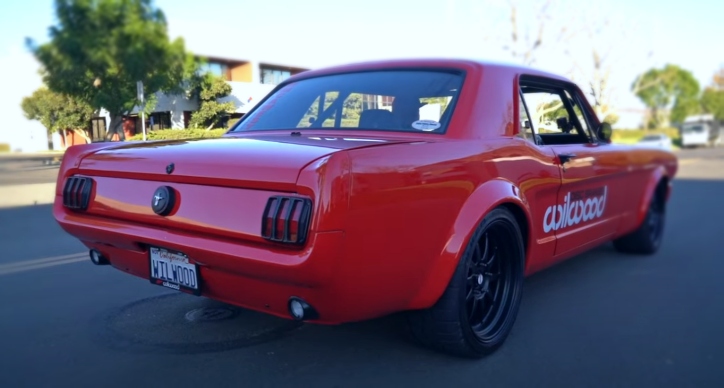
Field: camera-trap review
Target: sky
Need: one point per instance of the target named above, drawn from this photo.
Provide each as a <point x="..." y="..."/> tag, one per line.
<point x="634" y="36"/>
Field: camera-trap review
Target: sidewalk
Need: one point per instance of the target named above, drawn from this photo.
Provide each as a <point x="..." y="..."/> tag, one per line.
<point x="21" y="156"/>
<point x="27" y="195"/>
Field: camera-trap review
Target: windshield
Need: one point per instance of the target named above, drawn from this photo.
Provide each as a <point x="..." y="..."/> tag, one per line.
<point x="392" y="100"/>
<point x="694" y="129"/>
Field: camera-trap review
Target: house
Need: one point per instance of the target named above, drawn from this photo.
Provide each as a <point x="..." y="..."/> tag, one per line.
<point x="250" y="81"/>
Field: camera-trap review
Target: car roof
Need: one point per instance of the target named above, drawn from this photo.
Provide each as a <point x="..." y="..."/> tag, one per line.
<point x="416" y="63"/>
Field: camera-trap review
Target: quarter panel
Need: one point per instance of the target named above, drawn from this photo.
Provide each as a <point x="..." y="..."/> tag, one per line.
<point x="414" y="206"/>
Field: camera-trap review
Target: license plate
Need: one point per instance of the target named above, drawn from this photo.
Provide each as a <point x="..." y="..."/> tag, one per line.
<point x="173" y="270"/>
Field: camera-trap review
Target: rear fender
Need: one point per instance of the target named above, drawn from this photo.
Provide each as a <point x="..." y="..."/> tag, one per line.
<point x="485" y="198"/>
<point x="72" y="158"/>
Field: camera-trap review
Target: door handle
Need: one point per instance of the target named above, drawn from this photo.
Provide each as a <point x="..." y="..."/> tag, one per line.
<point x="566" y="157"/>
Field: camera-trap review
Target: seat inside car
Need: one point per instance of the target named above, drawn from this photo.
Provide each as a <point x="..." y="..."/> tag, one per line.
<point x="375" y="119"/>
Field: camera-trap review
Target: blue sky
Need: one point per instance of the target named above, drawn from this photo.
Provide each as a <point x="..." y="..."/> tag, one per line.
<point x="314" y="33"/>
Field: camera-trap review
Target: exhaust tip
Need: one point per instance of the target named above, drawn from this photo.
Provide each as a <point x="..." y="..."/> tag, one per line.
<point x="300" y="310"/>
<point x="97" y="258"/>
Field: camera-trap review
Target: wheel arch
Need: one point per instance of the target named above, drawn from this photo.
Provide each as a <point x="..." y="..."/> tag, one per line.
<point x="487" y="197"/>
<point x="659" y="183"/>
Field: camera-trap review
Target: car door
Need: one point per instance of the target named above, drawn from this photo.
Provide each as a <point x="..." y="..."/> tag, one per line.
<point x="590" y="197"/>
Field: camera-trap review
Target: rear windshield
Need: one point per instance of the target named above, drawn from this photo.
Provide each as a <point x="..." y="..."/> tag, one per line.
<point x="395" y="100"/>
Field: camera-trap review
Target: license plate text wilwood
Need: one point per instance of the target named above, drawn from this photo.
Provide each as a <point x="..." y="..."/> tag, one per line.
<point x="173" y="270"/>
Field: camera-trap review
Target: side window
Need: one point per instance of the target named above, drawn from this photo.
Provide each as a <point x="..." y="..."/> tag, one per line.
<point x="557" y="118"/>
<point x="577" y="109"/>
<point x="547" y="111"/>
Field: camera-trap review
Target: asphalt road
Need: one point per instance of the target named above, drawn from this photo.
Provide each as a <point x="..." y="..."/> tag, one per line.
<point x="600" y="319"/>
<point x="20" y="171"/>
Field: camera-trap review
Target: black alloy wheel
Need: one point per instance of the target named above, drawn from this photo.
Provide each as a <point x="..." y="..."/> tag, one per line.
<point x="490" y="281"/>
<point x="647" y="239"/>
<point x="477" y="310"/>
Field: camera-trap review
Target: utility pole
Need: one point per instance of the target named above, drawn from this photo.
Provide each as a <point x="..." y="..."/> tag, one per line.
<point x="139" y="91"/>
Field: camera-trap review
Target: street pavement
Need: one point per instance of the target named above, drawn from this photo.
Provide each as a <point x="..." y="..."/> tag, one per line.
<point x="601" y="319"/>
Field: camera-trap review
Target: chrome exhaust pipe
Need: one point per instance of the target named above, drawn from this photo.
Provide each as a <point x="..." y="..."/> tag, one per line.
<point x="300" y="310"/>
<point x="97" y="258"/>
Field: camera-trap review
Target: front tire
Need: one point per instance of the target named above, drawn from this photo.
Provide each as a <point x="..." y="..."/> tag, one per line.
<point x="476" y="313"/>
<point x="646" y="240"/>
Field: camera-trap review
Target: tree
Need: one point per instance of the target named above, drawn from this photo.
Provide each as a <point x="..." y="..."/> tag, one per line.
<point x="670" y="93"/>
<point x="549" y="31"/>
<point x="718" y="79"/>
<point x="523" y="45"/>
<point x="208" y="89"/>
<point x="712" y="101"/>
<point x="58" y="112"/>
<point x="100" y="48"/>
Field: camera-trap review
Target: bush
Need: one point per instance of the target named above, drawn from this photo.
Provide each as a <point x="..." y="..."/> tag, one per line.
<point x="177" y="134"/>
<point x="4" y="147"/>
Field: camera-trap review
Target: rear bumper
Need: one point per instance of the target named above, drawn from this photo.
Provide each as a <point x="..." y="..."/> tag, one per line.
<point x="256" y="277"/>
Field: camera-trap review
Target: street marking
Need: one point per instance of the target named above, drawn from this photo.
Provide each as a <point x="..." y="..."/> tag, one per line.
<point x="687" y="161"/>
<point x="29" y="265"/>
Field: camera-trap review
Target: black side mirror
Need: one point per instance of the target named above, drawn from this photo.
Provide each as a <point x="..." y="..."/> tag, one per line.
<point x="605" y="132"/>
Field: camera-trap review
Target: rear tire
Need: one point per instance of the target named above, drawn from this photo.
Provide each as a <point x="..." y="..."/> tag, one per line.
<point x="476" y="313"/>
<point x="646" y="240"/>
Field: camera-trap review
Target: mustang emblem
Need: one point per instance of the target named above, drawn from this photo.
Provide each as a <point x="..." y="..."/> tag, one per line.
<point x="163" y="200"/>
<point x="157" y="197"/>
<point x="169" y="168"/>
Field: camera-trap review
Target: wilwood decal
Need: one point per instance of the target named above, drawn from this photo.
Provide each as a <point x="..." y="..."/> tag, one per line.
<point x="577" y="206"/>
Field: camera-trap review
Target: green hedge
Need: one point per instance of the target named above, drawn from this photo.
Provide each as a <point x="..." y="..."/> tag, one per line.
<point x="4" y="147"/>
<point x="628" y="136"/>
<point x="176" y="134"/>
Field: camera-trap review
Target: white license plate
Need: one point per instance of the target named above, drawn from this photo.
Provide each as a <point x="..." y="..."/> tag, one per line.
<point x="173" y="270"/>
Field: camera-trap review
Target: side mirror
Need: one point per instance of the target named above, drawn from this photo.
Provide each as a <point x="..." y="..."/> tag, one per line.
<point x="605" y="132"/>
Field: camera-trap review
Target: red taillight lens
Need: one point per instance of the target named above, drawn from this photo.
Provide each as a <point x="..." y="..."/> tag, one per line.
<point x="286" y="219"/>
<point x="77" y="192"/>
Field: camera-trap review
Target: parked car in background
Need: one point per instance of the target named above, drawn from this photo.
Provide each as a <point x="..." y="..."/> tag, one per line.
<point x="657" y="140"/>
<point x="354" y="192"/>
<point x="701" y="131"/>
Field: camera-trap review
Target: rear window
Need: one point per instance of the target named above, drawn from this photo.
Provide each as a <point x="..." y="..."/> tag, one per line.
<point x="395" y="100"/>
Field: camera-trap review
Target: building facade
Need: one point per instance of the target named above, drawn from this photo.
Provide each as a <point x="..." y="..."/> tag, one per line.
<point x="250" y="82"/>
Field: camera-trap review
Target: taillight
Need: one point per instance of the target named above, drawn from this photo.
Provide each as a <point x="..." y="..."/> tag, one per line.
<point x="77" y="192"/>
<point x="286" y="219"/>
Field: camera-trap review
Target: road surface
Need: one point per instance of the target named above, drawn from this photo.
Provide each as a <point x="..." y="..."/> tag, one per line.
<point x="600" y="319"/>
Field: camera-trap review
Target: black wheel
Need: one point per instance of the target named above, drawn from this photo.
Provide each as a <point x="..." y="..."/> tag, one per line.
<point x="477" y="311"/>
<point x="646" y="240"/>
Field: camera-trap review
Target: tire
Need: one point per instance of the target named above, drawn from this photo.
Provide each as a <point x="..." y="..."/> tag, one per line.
<point x="451" y="325"/>
<point x="646" y="240"/>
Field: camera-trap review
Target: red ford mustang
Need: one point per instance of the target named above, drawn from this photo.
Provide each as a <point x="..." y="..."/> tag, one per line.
<point x="349" y="193"/>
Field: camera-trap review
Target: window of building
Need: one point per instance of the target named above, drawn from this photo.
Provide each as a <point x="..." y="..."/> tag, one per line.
<point x="216" y="68"/>
<point x="158" y="120"/>
<point x="98" y="129"/>
<point x="272" y="76"/>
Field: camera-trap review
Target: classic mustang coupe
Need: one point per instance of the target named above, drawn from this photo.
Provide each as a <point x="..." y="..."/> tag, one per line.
<point x="431" y="187"/>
